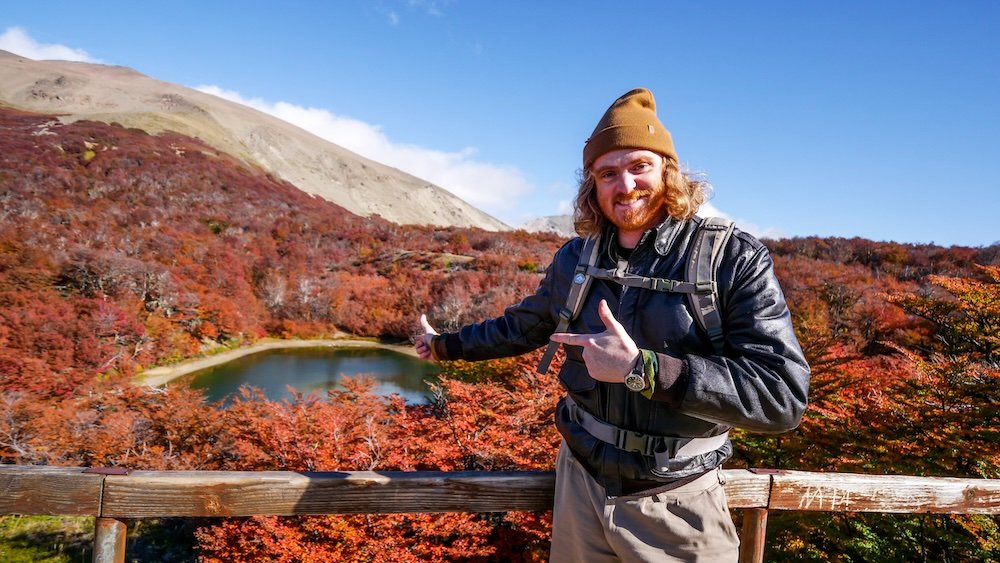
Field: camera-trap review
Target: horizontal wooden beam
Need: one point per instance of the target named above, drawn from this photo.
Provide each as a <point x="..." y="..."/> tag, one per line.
<point x="851" y="492"/>
<point x="144" y="494"/>
<point x="284" y="493"/>
<point x="151" y="494"/>
<point x="47" y="490"/>
<point x="745" y="489"/>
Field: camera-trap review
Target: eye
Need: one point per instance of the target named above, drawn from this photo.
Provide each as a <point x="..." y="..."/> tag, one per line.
<point x="606" y="175"/>
<point x="641" y="167"/>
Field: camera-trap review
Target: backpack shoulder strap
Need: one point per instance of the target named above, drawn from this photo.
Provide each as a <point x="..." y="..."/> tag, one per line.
<point x="703" y="263"/>
<point x="574" y="299"/>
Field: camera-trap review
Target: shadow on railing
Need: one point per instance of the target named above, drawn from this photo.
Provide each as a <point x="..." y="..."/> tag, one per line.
<point x="114" y="494"/>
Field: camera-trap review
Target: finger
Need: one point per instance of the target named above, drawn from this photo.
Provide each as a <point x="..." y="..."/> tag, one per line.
<point x="423" y="350"/>
<point x="571" y="339"/>
<point x="426" y="325"/>
<point x="607" y="317"/>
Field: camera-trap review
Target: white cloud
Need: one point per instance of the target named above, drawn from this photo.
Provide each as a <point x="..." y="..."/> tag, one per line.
<point x="709" y="210"/>
<point x="393" y="18"/>
<point x="495" y="189"/>
<point x="761" y="232"/>
<point x="17" y="41"/>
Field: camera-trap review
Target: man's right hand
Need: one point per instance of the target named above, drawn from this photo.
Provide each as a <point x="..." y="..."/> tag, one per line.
<point x="608" y="354"/>
<point x="422" y="342"/>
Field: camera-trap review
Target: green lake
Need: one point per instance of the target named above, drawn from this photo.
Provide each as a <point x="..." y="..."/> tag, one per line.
<point x="309" y="370"/>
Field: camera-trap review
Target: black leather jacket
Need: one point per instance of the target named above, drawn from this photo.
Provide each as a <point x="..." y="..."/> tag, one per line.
<point x="760" y="383"/>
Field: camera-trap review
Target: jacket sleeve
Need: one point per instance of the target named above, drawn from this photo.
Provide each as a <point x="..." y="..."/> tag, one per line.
<point x="761" y="381"/>
<point x="523" y="327"/>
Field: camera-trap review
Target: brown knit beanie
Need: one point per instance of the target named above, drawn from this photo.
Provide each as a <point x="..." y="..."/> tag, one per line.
<point x="630" y="123"/>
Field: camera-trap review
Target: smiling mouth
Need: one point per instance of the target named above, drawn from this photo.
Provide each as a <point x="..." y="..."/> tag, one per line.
<point x="629" y="202"/>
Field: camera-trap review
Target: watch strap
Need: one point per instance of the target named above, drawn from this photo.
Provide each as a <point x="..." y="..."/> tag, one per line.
<point x="635" y="379"/>
<point x="650" y="366"/>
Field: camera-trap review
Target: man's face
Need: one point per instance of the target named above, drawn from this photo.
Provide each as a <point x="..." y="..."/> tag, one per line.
<point x="630" y="190"/>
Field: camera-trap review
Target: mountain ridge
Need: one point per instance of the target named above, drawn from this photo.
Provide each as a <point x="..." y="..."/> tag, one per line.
<point x="561" y="225"/>
<point x="118" y="94"/>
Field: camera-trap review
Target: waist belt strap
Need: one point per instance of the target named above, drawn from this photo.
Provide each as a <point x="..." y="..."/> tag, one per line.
<point x="663" y="448"/>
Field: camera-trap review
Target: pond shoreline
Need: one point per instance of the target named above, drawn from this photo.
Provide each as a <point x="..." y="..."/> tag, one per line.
<point x="162" y="375"/>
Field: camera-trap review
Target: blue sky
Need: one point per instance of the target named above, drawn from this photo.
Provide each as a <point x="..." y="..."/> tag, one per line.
<point x="872" y="119"/>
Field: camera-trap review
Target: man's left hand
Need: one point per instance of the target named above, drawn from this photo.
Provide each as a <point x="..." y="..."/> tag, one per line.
<point x="609" y="355"/>
<point x="422" y="342"/>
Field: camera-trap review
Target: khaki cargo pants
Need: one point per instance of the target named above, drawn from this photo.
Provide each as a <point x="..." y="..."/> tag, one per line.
<point x="687" y="523"/>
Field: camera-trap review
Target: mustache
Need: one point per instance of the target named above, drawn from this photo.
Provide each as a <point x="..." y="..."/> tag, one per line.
<point x="634" y="195"/>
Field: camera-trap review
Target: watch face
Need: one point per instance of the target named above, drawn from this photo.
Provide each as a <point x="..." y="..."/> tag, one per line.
<point x="635" y="382"/>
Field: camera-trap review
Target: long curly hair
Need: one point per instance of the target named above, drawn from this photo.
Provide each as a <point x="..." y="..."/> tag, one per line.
<point x="686" y="192"/>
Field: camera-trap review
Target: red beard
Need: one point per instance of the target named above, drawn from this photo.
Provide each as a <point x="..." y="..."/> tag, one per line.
<point x="649" y="213"/>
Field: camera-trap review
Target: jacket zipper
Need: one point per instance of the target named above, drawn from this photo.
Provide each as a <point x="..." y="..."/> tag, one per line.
<point x="628" y="263"/>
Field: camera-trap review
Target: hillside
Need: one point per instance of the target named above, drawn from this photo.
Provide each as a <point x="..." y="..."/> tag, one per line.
<point x="171" y="236"/>
<point x="113" y="94"/>
<point x="561" y="225"/>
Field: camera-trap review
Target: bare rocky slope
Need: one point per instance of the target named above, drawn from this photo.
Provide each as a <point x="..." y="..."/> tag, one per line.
<point x="114" y="94"/>
<point x="561" y="225"/>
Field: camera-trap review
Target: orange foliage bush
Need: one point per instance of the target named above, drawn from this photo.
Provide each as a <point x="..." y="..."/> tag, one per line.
<point x="487" y="426"/>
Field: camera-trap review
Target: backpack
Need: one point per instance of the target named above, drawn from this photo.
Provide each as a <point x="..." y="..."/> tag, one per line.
<point x="699" y="282"/>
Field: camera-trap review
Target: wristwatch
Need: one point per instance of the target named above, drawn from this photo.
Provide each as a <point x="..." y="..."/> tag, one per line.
<point x="636" y="379"/>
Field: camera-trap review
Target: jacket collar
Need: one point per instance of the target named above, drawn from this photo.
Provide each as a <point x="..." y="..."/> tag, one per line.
<point x="666" y="234"/>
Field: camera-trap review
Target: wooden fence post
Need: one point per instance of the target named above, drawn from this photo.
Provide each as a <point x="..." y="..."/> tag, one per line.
<point x="753" y="536"/>
<point x="109" y="541"/>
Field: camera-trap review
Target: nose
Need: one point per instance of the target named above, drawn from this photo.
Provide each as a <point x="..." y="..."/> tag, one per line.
<point x="628" y="182"/>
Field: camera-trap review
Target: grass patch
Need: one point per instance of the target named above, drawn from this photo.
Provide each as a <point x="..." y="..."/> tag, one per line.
<point x="70" y="539"/>
<point x="46" y="539"/>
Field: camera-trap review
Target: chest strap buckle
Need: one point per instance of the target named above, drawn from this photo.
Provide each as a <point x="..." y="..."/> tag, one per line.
<point x="663" y="448"/>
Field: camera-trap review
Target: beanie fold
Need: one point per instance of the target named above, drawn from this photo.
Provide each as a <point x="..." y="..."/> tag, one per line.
<point x="648" y="137"/>
<point x="630" y="123"/>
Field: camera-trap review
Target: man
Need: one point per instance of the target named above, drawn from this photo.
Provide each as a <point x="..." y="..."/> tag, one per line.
<point x="650" y="398"/>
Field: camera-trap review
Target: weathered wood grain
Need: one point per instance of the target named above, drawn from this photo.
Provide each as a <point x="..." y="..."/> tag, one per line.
<point x="46" y="490"/>
<point x="147" y="494"/>
<point x="745" y="489"/>
<point x="109" y="541"/>
<point x="753" y="535"/>
<point x="284" y="493"/>
<point x="849" y="492"/>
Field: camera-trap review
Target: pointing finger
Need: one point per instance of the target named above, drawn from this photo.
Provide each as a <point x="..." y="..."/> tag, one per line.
<point x="607" y="317"/>
<point x="571" y="339"/>
<point x="426" y="325"/>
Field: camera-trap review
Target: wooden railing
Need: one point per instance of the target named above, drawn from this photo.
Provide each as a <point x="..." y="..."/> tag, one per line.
<point x="111" y="495"/>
